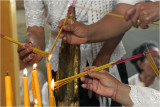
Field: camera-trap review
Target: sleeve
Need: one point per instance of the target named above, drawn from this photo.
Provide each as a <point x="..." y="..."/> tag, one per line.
<point x="144" y="97"/>
<point x="132" y="2"/>
<point x="154" y="0"/>
<point x="34" y="12"/>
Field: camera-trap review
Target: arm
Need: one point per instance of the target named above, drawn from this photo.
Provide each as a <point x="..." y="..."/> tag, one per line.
<point x="35" y="32"/>
<point x="105" y="54"/>
<point x="104" y="84"/>
<point x="108" y="27"/>
<point x="106" y="51"/>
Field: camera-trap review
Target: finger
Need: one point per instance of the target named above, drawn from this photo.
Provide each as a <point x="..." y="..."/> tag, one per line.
<point x="36" y="59"/>
<point x="96" y="75"/>
<point x="61" y="35"/>
<point x="89" y="68"/>
<point x="25" y="52"/>
<point x="90" y="94"/>
<point x="135" y="17"/>
<point x="61" y="23"/>
<point x="86" y="80"/>
<point x="28" y="58"/>
<point x="22" y="47"/>
<point x="87" y="86"/>
<point x="129" y="13"/>
<point x="68" y="28"/>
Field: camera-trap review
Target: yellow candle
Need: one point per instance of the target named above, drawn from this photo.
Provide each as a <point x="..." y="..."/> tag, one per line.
<point x="25" y="89"/>
<point x="35" y="83"/>
<point x="35" y="103"/>
<point x="9" y="91"/>
<point x="51" y="96"/>
<point x="49" y="75"/>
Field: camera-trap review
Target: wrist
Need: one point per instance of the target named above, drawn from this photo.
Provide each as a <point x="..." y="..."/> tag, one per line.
<point x="90" y="33"/>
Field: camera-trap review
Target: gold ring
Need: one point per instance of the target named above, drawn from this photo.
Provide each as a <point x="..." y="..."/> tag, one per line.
<point x="138" y="21"/>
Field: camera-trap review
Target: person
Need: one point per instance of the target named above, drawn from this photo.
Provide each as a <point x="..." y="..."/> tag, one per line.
<point x="81" y="33"/>
<point x="56" y="10"/>
<point x="41" y="80"/>
<point x="146" y="13"/>
<point x="107" y="85"/>
<point x="146" y="76"/>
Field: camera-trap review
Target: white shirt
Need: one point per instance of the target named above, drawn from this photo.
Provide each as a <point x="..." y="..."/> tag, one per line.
<point x="134" y="80"/>
<point x="144" y="96"/>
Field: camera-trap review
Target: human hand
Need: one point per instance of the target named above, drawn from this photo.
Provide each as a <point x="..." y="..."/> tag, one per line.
<point x="26" y="51"/>
<point x="143" y="13"/>
<point x="101" y="83"/>
<point x="74" y="32"/>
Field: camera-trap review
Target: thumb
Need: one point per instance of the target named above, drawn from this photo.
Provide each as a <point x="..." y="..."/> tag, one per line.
<point x="97" y="75"/>
<point x="69" y="26"/>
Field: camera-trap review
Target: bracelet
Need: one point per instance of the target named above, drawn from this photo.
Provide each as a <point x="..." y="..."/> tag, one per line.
<point x="116" y="91"/>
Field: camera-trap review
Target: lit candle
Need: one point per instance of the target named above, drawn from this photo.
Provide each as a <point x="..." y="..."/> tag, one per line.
<point x="51" y="96"/>
<point x="25" y="89"/>
<point x="35" y="86"/>
<point x="49" y="75"/>
<point x="9" y="91"/>
<point x="35" y="103"/>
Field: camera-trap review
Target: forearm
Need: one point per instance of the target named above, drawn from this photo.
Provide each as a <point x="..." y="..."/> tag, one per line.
<point x="106" y="51"/>
<point x="36" y="36"/>
<point x="109" y="26"/>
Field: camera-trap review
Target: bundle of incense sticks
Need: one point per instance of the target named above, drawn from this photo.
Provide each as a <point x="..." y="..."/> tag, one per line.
<point x="70" y="10"/>
<point x="35" y="50"/>
<point x="69" y="79"/>
<point x="152" y="64"/>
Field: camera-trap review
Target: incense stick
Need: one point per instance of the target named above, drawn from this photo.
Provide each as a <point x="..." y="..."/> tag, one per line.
<point x="111" y="14"/>
<point x="70" y="10"/>
<point x="69" y="79"/>
<point x="152" y="64"/>
<point x="35" y="50"/>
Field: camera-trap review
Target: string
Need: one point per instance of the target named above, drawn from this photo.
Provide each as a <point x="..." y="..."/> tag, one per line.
<point x="70" y="10"/>
<point x="69" y="79"/>
<point x="35" y="50"/>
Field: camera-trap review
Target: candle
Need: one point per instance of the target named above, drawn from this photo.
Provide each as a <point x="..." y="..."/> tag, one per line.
<point x="35" y="86"/>
<point x="49" y="76"/>
<point x="51" y="96"/>
<point x="8" y="89"/>
<point x="25" y="89"/>
<point x="35" y="103"/>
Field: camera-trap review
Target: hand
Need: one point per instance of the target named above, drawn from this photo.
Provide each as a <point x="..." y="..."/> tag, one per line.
<point x="73" y="32"/>
<point x="101" y="83"/>
<point x="145" y="12"/>
<point x="26" y="54"/>
<point x="32" y="40"/>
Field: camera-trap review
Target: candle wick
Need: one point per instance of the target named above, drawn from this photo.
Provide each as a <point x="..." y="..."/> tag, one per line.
<point x="7" y="73"/>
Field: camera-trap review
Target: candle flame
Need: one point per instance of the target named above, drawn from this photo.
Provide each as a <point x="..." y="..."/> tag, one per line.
<point x="36" y="101"/>
<point x="49" y="57"/>
<point x="25" y="72"/>
<point x="34" y="66"/>
<point x="52" y="84"/>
